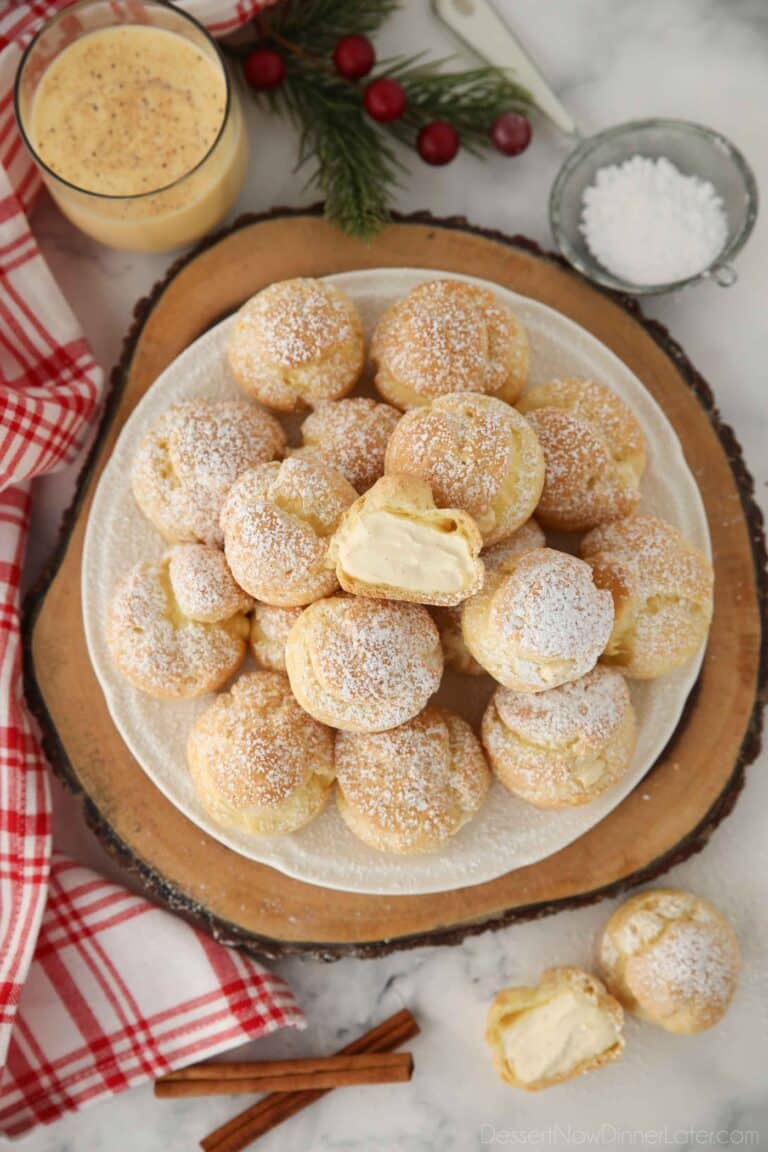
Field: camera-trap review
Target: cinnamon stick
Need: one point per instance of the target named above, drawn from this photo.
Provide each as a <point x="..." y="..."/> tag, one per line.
<point x="273" y="1109"/>
<point x="241" y="1079"/>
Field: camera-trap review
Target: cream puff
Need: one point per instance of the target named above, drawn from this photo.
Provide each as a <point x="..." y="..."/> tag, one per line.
<point x="448" y="336"/>
<point x="477" y="453"/>
<point x="258" y="762"/>
<point x="269" y="631"/>
<point x="191" y="457"/>
<point x="564" y="747"/>
<point x="662" y="590"/>
<point x="161" y="650"/>
<point x="594" y="450"/>
<point x="363" y="665"/>
<point x="202" y="584"/>
<point x="671" y="958"/>
<point x="496" y="559"/>
<point x="566" y="1025"/>
<point x="277" y="522"/>
<point x="395" y="544"/>
<point x="409" y="789"/>
<point x="297" y="343"/>
<point x="540" y="624"/>
<point x="352" y="436"/>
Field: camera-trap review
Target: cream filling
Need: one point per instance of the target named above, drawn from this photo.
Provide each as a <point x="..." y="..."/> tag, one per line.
<point x="413" y="555"/>
<point x="556" y="1037"/>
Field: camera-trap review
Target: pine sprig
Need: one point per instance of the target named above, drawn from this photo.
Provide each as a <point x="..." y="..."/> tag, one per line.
<point x="316" y="25"/>
<point x="470" y="100"/>
<point x="353" y="160"/>
<point x="355" y="168"/>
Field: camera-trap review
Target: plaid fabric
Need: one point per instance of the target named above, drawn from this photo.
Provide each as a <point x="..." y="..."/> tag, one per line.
<point x="83" y="1011"/>
<point x="97" y="1015"/>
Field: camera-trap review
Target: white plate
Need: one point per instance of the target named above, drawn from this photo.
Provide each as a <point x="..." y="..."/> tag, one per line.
<point x="508" y="833"/>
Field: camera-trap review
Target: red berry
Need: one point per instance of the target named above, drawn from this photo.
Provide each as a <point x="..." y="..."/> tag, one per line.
<point x="354" y="57"/>
<point x="511" y="133"/>
<point x="264" y="69"/>
<point x="384" y="99"/>
<point x="438" y="142"/>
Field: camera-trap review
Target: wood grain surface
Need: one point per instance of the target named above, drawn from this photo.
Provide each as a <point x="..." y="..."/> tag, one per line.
<point x="671" y="814"/>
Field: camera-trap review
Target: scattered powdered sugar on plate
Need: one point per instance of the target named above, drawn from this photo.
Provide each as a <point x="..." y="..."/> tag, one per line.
<point x="507" y="833"/>
<point x="648" y="223"/>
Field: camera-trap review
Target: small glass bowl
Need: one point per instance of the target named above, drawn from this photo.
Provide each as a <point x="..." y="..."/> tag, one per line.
<point x="696" y="151"/>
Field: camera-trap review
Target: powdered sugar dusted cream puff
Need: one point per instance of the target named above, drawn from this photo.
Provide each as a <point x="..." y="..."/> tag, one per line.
<point x="259" y="763"/>
<point x="363" y="665"/>
<point x="191" y="457"/>
<point x="671" y="958"/>
<point x="269" y="631"/>
<point x="540" y="624"/>
<point x="277" y="522"/>
<point x="202" y="584"/>
<point x="448" y="336"/>
<point x="395" y="544"/>
<point x="497" y="558"/>
<point x="297" y="343"/>
<point x="564" y="747"/>
<point x="352" y="436"/>
<point x="409" y="789"/>
<point x="477" y="453"/>
<point x="662" y="588"/>
<point x="566" y="1025"/>
<point x="160" y="649"/>
<point x="594" y="449"/>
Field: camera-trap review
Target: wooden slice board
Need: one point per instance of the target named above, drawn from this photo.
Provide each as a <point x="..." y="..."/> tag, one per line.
<point x="669" y="816"/>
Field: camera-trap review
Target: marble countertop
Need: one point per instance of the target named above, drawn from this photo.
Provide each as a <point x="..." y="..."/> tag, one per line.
<point x="609" y="61"/>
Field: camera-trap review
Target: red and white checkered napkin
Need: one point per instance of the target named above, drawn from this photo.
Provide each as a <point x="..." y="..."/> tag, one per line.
<point x="91" y="1001"/>
<point x="120" y="992"/>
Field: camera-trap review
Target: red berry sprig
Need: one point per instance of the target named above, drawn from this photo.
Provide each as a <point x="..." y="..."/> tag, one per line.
<point x="384" y="100"/>
<point x="264" y="69"/>
<point x="438" y="142"/>
<point x="354" y="57"/>
<point x="511" y="133"/>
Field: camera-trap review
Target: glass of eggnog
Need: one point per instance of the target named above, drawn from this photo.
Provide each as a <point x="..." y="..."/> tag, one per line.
<point x="133" y="121"/>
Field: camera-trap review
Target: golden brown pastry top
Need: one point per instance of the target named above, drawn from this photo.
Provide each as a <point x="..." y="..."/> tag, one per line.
<point x="672" y="958"/>
<point x="277" y="521"/>
<point x="297" y="342"/>
<point x="414" y="785"/>
<point x="594" y="449"/>
<point x="477" y="453"/>
<point x="162" y="651"/>
<point x="662" y="589"/>
<point x="203" y="585"/>
<point x="540" y="623"/>
<point x="352" y="436"/>
<point x="580" y="716"/>
<point x="364" y="665"/>
<point x="258" y="746"/>
<point x="448" y="336"/>
<point x="191" y="456"/>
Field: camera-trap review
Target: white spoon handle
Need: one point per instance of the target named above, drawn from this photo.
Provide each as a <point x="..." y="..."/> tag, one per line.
<point x="485" y="32"/>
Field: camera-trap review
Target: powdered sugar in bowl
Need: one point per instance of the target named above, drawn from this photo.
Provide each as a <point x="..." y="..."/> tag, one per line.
<point x="695" y="151"/>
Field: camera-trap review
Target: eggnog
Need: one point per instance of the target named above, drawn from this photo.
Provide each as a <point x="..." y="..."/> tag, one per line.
<point x="136" y="124"/>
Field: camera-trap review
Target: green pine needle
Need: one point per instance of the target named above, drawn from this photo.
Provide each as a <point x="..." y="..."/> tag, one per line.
<point x="317" y="25"/>
<point x="354" y="164"/>
<point x="355" y="168"/>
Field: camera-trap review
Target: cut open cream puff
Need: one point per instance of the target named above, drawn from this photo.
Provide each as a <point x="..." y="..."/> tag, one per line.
<point x="568" y="1024"/>
<point x="395" y="544"/>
